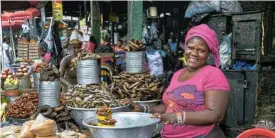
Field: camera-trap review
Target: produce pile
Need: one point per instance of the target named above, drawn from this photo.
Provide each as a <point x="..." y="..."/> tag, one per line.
<point x="49" y="73"/>
<point x="24" y="106"/>
<point x="139" y="87"/>
<point x="22" y="71"/>
<point x="60" y="115"/>
<point x="37" y="67"/>
<point x="90" y="96"/>
<point x="134" y="45"/>
<point x="10" y="81"/>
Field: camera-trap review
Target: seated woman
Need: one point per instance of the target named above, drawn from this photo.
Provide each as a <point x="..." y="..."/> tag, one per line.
<point x="196" y="100"/>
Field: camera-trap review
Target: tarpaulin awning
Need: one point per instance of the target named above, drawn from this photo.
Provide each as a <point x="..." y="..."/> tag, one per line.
<point x="14" y="24"/>
<point x="20" y="15"/>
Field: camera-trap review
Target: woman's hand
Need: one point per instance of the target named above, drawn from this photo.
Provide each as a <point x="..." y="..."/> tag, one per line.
<point x="133" y="106"/>
<point x="168" y="118"/>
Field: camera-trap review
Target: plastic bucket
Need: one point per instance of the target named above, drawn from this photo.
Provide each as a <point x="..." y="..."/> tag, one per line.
<point x="36" y="77"/>
<point x="24" y="83"/>
<point x="135" y="62"/>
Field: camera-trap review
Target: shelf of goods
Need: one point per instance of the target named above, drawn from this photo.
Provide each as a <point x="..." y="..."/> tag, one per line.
<point x="33" y="49"/>
<point x="23" y="48"/>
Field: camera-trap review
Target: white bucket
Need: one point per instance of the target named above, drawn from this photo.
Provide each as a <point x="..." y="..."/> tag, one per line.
<point x="88" y="72"/>
<point x="135" y="62"/>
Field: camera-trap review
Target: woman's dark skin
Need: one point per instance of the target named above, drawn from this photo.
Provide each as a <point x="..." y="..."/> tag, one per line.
<point x="216" y="101"/>
<point x="65" y="64"/>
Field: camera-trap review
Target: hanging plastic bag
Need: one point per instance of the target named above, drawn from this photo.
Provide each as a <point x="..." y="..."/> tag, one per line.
<point x="225" y="51"/>
<point x="231" y="6"/>
<point x="155" y="62"/>
<point x="43" y="127"/>
<point x="145" y="35"/>
<point x="199" y="7"/>
<point x="153" y="30"/>
<point x="25" y="130"/>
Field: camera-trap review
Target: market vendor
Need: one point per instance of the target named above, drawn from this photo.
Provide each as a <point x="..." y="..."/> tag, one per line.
<point x="196" y="100"/>
<point x="67" y="74"/>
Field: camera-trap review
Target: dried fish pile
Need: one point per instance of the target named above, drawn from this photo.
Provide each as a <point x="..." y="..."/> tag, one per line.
<point x="49" y="73"/>
<point x="139" y="87"/>
<point x="90" y="96"/>
<point x="82" y="55"/>
<point x="134" y="45"/>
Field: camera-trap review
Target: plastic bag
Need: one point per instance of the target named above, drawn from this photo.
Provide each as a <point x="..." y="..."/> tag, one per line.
<point x="199" y="7"/>
<point x="43" y="127"/>
<point x="153" y="31"/>
<point x="225" y="52"/>
<point x="231" y="6"/>
<point x="145" y="35"/>
<point x="71" y="134"/>
<point x="155" y="63"/>
<point x="76" y="36"/>
<point x="25" y="130"/>
<point x="10" y="131"/>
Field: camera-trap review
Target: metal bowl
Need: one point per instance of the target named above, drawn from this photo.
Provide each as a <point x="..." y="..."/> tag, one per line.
<point x="79" y="114"/>
<point x="148" y="103"/>
<point x="130" y="124"/>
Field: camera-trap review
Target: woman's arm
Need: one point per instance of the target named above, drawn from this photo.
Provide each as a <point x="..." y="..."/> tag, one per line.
<point x="63" y="65"/>
<point x="161" y="108"/>
<point x="215" y="107"/>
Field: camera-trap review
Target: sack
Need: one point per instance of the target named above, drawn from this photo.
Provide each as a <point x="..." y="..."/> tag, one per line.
<point x="155" y="63"/>
<point x="25" y="130"/>
<point x="199" y="7"/>
<point x="10" y="131"/>
<point x="43" y="127"/>
<point x="48" y="137"/>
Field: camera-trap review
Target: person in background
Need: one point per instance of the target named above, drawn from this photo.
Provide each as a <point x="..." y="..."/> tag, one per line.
<point x="90" y="45"/>
<point x="7" y="53"/>
<point x="120" y="55"/>
<point x="173" y="55"/>
<point x="93" y="43"/>
<point x="196" y="100"/>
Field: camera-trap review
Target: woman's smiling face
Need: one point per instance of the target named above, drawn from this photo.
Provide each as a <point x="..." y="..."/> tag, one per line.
<point x="196" y="53"/>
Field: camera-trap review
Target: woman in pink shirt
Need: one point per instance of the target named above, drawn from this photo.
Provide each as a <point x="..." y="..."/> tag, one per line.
<point x="196" y="100"/>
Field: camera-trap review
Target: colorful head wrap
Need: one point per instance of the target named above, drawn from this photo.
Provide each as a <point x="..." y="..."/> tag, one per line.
<point x="209" y="36"/>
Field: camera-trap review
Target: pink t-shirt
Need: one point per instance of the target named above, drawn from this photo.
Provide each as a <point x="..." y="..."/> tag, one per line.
<point x="189" y="96"/>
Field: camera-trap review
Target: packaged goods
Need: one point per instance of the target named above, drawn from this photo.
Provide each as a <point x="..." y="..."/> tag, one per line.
<point x="43" y="127"/>
<point x="25" y="130"/>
